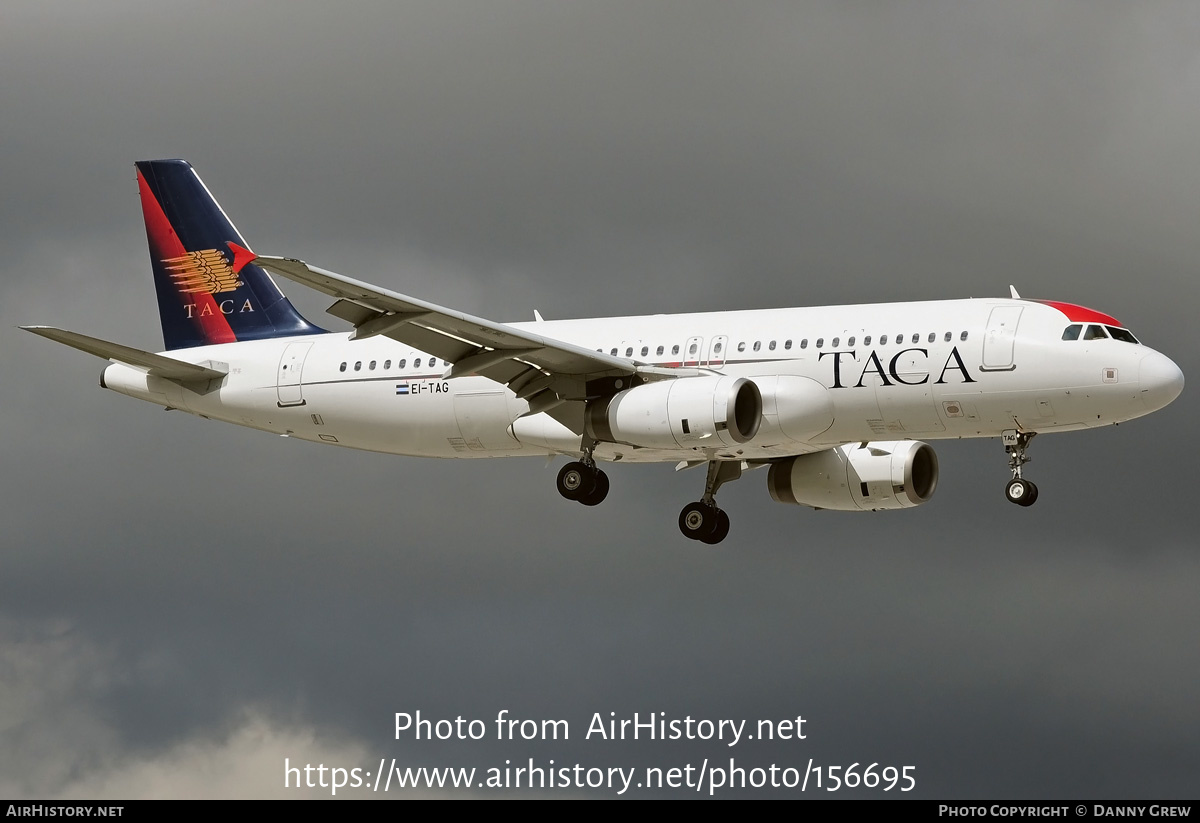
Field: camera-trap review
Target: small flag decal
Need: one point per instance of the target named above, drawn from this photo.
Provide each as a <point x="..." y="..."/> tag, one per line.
<point x="401" y="388"/>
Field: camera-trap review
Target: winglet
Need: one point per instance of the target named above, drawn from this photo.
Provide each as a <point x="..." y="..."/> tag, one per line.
<point x="240" y="256"/>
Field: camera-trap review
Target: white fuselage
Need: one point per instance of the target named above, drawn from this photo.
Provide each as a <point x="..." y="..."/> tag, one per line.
<point x="932" y="370"/>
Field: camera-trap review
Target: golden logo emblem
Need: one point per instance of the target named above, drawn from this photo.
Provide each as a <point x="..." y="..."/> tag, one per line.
<point x="203" y="271"/>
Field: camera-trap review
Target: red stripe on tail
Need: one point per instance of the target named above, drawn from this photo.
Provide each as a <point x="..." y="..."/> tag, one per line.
<point x="165" y="244"/>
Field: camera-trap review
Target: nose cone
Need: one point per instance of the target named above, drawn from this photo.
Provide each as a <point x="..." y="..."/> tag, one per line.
<point x="1160" y="381"/>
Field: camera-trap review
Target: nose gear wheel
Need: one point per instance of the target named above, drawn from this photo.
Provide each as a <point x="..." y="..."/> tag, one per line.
<point x="1022" y="492"/>
<point x="1019" y="490"/>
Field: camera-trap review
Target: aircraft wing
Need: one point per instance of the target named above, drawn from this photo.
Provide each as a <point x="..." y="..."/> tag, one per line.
<point x="529" y="363"/>
<point x="158" y="365"/>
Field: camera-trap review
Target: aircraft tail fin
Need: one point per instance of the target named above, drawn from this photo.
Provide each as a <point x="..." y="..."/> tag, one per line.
<point x="209" y="289"/>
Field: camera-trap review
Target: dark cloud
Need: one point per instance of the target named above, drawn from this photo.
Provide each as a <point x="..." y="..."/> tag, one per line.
<point x="185" y="598"/>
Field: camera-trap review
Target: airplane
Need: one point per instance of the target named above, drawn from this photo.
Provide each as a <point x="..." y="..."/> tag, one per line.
<point x="829" y="400"/>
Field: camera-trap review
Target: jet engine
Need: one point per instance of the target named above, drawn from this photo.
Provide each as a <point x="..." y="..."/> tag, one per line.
<point x="870" y="477"/>
<point x="794" y="408"/>
<point x="690" y="412"/>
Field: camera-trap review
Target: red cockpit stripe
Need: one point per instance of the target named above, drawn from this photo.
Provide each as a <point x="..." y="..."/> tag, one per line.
<point x="1080" y="314"/>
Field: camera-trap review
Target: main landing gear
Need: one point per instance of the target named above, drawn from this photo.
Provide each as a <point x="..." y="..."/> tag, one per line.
<point x="702" y="520"/>
<point x="582" y="481"/>
<point x="1019" y="490"/>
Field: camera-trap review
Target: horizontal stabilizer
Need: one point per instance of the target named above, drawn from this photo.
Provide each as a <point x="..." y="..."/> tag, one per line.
<point x="156" y="364"/>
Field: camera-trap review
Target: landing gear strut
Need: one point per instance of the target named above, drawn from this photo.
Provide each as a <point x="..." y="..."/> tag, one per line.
<point x="582" y="481"/>
<point x="1019" y="490"/>
<point x="702" y="520"/>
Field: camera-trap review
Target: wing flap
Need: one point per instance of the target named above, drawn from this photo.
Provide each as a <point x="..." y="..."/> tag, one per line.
<point x="351" y="312"/>
<point x="451" y="335"/>
<point x="158" y="365"/>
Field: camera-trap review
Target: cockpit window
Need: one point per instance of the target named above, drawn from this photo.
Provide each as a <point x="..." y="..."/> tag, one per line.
<point x="1094" y="333"/>
<point x="1072" y="332"/>
<point x="1121" y="334"/>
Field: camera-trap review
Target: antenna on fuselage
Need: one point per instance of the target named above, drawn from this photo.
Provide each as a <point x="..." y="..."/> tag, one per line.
<point x="1013" y="290"/>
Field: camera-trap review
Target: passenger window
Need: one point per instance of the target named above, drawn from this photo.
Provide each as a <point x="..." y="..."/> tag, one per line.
<point x="613" y="352"/>
<point x="372" y="366"/>
<point x="867" y="340"/>
<point x="1094" y="333"/>
<point x="963" y="336"/>
<point x="717" y="348"/>
<point x="835" y="342"/>
<point x="932" y="336"/>
<point x="787" y="345"/>
<point x="659" y="351"/>
<point x="400" y="364"/>
<point x="432" y="362"/>
<point x="916" y="338"/>
<point x="742" y="346"/>
<point x="692" y="349"/>
<point x="342" y="367"/>
<point x="804" y="343"/>
<point x="417" y="363"/>
<point x="1072" y="331"/>
<point x="645" y="350"/>
<point x="387" y="364"/>
<point x="629" y="351"/>
<point x="850" y="342"/>
<point x="820" y="342"/>
<point x="358" y="365"/>
<point x="883" y="340"/>
<point x="757" y="345"/>
<point x="675" y="349"/>
<point x="948" y="336"/>
<point x="771" y="345"/>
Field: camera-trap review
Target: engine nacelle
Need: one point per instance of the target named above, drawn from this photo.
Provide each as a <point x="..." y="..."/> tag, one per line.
<point x="890" y="475"/>
<point x="690" y="412"/>
<point x="794" y="408"/>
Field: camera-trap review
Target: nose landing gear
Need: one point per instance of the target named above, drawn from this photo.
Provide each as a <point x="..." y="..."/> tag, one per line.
<point x="1019" y="490"/>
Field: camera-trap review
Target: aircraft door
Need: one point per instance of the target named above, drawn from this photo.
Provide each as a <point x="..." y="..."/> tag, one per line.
<point x="908" y="404"/>
<point x="291" y="368"/>
<point x="908" y="409"/>
<point x="716" y="351"/>
<point x="483" y="421"/>
<point x="999" y="338"/>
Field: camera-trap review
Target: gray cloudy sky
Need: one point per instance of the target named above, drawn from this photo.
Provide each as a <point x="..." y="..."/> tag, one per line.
<point x="183" y="604"/>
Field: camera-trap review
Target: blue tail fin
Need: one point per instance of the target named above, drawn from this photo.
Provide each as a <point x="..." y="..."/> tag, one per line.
<point x="209" y="290"/>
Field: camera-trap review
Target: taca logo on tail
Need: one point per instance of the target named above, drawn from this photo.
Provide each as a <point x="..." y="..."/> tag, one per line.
<point x="203" y="271"/>
<point x="209" y="290"/>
